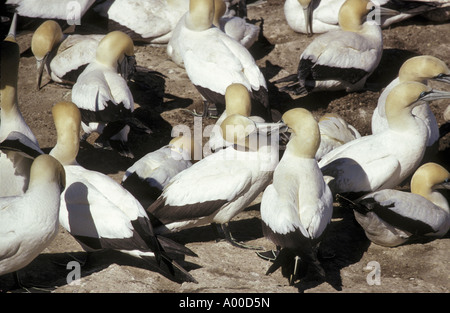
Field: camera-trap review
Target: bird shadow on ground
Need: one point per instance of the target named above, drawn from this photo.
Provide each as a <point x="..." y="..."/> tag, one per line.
<point x="52" y="270"/>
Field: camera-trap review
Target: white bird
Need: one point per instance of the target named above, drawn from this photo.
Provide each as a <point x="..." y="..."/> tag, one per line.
<point x="96" y="210"/>
<point x="18" y="144"/>
<point x="218" y="187"/>
<point x="313" y="16"/>
<point x="150" y="21"/>
<point x="235" y="27"/>
<point x="297" y="207"/>
<point x="29" y="222"/>
<point x="392" y="217"/>
<point x="237" y="101"/>
<point x="64" y="57"/>
<point x="334" y="132"/>
<point x="103" y="96"/>
<point x="67" y="10"/>
<point x="213" y="60"/>
<point x="341" y="59"/>
<point x="146" y="178"/>
<point x="419" y="69"/>
<point x="386" y="159"/>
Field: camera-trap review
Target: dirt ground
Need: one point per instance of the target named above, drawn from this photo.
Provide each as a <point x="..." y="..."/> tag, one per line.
<point x="219" y="267"/>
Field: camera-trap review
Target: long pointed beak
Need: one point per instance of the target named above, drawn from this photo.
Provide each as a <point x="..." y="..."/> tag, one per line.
<point x="388" y="12"/>
<point x="308" y="14"/>
<point x="268" y="128"/>
<point x="445" y="78"/>
<point x="434" y="95"/>
<point x="443" y="185"/>
<point x="40" y="71"/>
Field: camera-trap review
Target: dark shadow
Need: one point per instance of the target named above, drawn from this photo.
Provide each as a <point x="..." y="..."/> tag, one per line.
<point x="262" y="47"/>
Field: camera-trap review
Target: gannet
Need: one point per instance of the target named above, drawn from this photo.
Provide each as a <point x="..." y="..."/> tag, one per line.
<point x="18" y="144"/>
<point x="313" y="16"/>
<point x="342" y="59"/>
<point x="64" y="57"/>
<point x="103" y="96"/>
<point x="97" y="211"/>
<point x="29" y="222"/>
<point x="150" y="21"/>
<point x="392" y="217"/>
<point x="420" y="69"/>
<point x="383" y="160"/>
<point x="146" y="178"/>
<point x="218" y="187"/>
<point x="68" y="10"/>
<point x="234" y="26"/>
<point x="334" y="132"/>
<point x="213" y="60"/>
<point x="297" y="207"/>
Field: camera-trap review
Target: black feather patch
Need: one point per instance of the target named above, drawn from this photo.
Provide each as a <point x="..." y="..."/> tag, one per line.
<point x="141" y="189"/>
<point x="17" y="142"/>
<point x="309" y="71"/>
<point x="167" y="214"/>
<point x="112" y="112"/>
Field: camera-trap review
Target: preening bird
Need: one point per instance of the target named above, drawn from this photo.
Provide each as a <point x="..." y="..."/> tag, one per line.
<point x="18" y="144"/>
<point x="334" y="132"/>
<point x="221" y="185"/>
<point x="386" y="159"/>
<point x="392" y="217"/>
<point x="313" y="17"/>
<point x="97" y="211"/>
<point x="234" y="26"/>
<point x="147" y="177"/>
<point x="213" y="60"/>
<point x="297" y="207"/>
<point x="341" y="59"/>
<point x="419" y="69"/>
<point x="103" y="96"/>
<point x="29" y="222"/>
<point x="62" y="56"/>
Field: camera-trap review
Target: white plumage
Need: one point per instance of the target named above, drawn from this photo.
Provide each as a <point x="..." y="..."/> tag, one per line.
<point x="297" y="207"/>
<point x="151" y="21"/>
<point x="419" y="69"/>
<point x="213" y="60"/>
<point x="218" y="187"/>
<point x="68" y="10"/>
<point x="18" y="144"/>
<point x="334" y="132"/>
<point x="146" y="178"/>
<point x="29" y="222"/>
<point x="385" y="159"/>
<point x="96" y="210"/>
<point x="342" y="59"/>
<point x="102" y="94"/>
<point x="62" y="56"/>
<point x="392" y="217"/>
<point x="323" y="14"/>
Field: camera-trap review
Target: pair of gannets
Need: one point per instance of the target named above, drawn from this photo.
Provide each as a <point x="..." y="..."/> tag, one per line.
<point x="146" y="178"/>
<point x="419" y="69"/>
<point x="320" y="16"/>
<point x="296" y="208"/>
<point x="102" y="94"/>
<point x="392" y="217"/>
<point x="97" y="211"/>
<point x="341" y="59"/>
<point x="29" y="222"/>
<point x="18" y="143"/>
<point x="383" y="160"/>
<point x="221" y="185"/>
<point x="213" y="60"/>
<point x="62" y="56"/>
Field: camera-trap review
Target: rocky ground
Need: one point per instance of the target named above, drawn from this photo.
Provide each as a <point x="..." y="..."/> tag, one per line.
<point x="219" y="267"/>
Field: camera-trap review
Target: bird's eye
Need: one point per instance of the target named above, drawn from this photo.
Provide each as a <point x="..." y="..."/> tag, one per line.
<point x="424" y="93"/>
